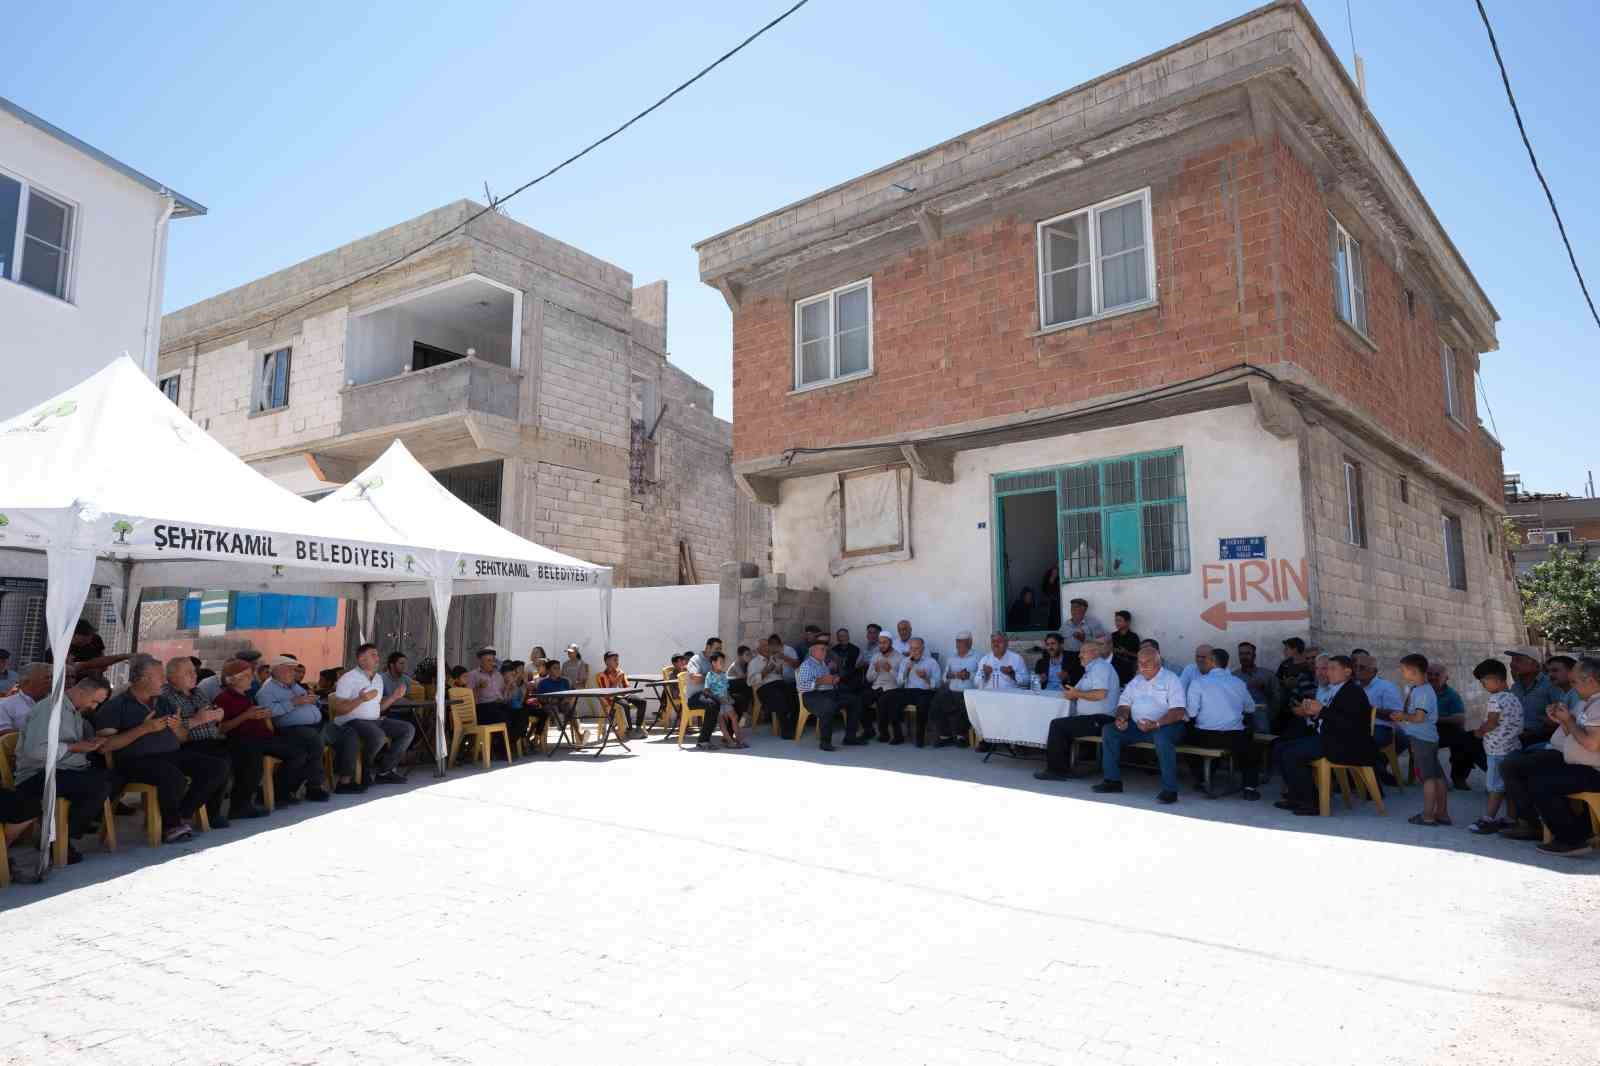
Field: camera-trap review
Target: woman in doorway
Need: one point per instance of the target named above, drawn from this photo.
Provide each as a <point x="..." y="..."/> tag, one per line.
<point x="1023" y="616"/>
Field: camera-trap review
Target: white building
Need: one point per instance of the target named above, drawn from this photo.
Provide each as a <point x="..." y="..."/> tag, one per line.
<point x="83" y="249"/>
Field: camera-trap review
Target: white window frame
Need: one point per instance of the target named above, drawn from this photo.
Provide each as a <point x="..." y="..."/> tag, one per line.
<point x="1542" y="535"/>
<point x="258" y="394"/>
<point x="832" y="297"/>
<point x="1452" y="389"/>
<point x="1355" y="280"/>
<point x="1355" y="524"/>
<point x="1097" y="309"/>
<point x="69" y="267"/>
<point x="177" y="386"/>
<point x="1454" y="578"/>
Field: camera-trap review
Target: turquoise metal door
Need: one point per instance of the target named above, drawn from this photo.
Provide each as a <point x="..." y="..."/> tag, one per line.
<point x="1122" y="542"/>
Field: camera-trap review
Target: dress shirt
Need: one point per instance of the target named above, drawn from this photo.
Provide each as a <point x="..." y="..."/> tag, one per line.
<point x="1090" y="627"/>
<point x="910" y="672"/>
<point x="14" y="711"/>
<point x="209" y="687"/>
<point x="1189" y="675"/>
<point x="1384" y="696"/>
<point x="1151" y="697"/>
<point x="783" y="661"/>
<point x="9" y="678"/>
<point x="1450" y="705"/>
<point x="1217" y="700"/>
<point x="901" y="646"/>
<point x="884" y="679"/>
<point x="997" y="680"/>
<point x="487" y="686"/>
<point x="189" y="704"/>
<point x="805" y="679"/>
<point x="757" y="667"/>
<point x="1100" y="674"/>
<point x="955" y="664"/>
<point x="286" y="714"/>
<point x="352" y="683"/>
<point x="1587" y="715"/>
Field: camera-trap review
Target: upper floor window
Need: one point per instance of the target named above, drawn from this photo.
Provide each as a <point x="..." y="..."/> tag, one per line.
<point x="1455" y="552"/>
<point x="1349" y="277"/>
<point x="169" y="387"/>
<point x="35" y="237"/>
<point x="833" y="335"/>
<point x="272" y="381"/>
<point x="1550" y="536"/>
<point x="1095" y="261"/>
<point x="1355" y="506"/>
<point x="1452" y="392"/>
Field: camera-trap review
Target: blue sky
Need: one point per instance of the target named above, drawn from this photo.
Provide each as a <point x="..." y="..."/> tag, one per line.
<point x="305" y="125"/>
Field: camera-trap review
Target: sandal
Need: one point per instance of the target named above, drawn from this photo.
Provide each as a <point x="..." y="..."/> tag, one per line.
<point x="1443" y="821"/>
<point x="1417" y="819"/>
<point x="1486" y="826"/>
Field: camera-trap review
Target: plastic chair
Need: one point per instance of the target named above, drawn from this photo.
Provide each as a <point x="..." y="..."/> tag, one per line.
<point x="804" y="718"/>
<point x="1365" y="776"/>
<point x="687" y="715"/>
<point x="464" y="715"/>
<point x="1581" y="800"/>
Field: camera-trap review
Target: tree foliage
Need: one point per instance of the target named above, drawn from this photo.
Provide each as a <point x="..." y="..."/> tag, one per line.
<point x="1561" y="598"/>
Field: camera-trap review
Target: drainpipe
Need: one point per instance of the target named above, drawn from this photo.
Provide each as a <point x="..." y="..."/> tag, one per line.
<point x="158" y="270"/>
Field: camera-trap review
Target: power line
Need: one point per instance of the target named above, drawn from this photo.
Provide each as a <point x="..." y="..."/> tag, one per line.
<point x="495" y="203"/>
<point x="1483" y="390"/>
<point x="1548" y="195"/>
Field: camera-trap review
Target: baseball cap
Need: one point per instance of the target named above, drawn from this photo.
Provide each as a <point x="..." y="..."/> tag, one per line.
<point x="1526" y="650"/>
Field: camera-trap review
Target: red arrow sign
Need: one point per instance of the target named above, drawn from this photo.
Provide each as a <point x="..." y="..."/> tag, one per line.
<point x="1219" y="616"/>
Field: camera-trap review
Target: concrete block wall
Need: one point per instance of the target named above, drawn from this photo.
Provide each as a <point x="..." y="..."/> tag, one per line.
<point x="577" y="512"/>
<point x="583" y="384"/>
<point x="1393" y="596"/>
<point x="767" y="605"/>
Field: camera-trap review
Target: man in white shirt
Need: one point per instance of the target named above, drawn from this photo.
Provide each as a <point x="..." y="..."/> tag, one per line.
<point x="949" y="705"/>
<point x="1198" y="668"/>
<point x="902" y="639"/>
<point x="1221" y="712"/>
<point x="917" y="677"/>
<point x="1152" y="707"/>
<point x="1091" y="704"/>
<point x="357" y="705"/>
<point x="1002" y="669"/>
<point x="33" y="686"/>
<point x="772" y="676"/>
<point x="883" y="665"/>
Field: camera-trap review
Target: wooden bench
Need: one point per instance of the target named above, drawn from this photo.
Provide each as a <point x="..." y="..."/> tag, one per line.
<point x="1209" y="755"/>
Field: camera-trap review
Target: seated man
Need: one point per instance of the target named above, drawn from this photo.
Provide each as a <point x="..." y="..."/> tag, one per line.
<point x="146" y="734"/>
<point x="847" y="656"/>
<point x="356" y="705"/>
<point x="1343" y="735"/>
<point x="1091" y="706"/>
<point x="33" y="686"/>
<point x="1297" y="682"/>
<point x="824" y="698"/>
<point x="78" y="780"/>
<point x="1151" y="708"/>
<point x="200" y="719"/>
<point x="774" y="682"/>
<point x="1052" y="669"/>
<point x="297" y="719"/>
<point x="396" y="685"/>
<point x="1079" y="627"/>
<point x="613" y="677"/>
<point x="1002" y="669"/>
<point x="1221" y="711"/>
<point x="1200" y="666"/>
<point x="917" y="677"/>
<point x="882" y="669"/>
<point x="250" y="738"/>
<point x="1386" y="700"/>
<point x="699" y="668"/>
<point x="489" y="695"/>
<point x="949" y="706"/>
<point x="1577" y="740"/>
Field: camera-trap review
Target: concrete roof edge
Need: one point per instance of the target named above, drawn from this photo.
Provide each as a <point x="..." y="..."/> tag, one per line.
<point x="186" y="207"/>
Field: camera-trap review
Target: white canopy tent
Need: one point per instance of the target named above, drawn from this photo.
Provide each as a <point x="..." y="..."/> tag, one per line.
<point x="111" y="483"/>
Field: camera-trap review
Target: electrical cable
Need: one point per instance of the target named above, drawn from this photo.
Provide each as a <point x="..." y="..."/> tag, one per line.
<point x="1548" y="195"/>
<point x="524" y="187"/>
<point x="1484" y="392"/>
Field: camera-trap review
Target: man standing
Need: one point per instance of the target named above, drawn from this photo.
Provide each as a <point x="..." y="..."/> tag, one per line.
<point x="1198" y="668"/>
<point x="824" y="698"/>
<point x="1262" y="683"/>
<point x="33" y="686"/>
<point x="1343" y="734"/>
<point x="1153" y="708"/>
<point x="200" y="719"/>
<point x="949" y="705"/>
<point x="1297" y="682"/>
<point x="917" y="676"/>
<point x="1091" y="706"/>
<point x="1220" y="710"/>
<point x="1002" y="669"/>
<point x="1465" y="746"/>
<point x="78" y="780"/>
<point x="1079" y="627"/>
<point x="357" y="705"/>
<point x="297" y="718"/>
<point x="147" y="734"/>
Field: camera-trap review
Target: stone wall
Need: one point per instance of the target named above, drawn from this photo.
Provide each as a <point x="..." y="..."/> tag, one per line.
<point x="767" y="605"/>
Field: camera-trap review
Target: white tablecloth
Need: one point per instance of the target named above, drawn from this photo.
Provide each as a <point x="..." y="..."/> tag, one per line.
<point x="1015" y="717"/>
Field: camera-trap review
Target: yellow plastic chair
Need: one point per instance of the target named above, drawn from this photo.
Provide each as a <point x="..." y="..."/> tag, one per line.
<point x="1365" y="776"/>
<point x="687" y="715"/>
<point x="58" y="850"/>
<point x="1582" y="801"/>
<point x="464" y="715"/>
<point x="803" y="718"/>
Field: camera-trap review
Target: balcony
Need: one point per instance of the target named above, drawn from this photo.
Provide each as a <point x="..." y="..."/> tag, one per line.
<point x="457" y="388"/>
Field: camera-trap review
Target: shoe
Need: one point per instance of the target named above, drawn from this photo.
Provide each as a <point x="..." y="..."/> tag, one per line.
<point x="961" y="742"/>
<point x="1307" y="812"/>
<point x="350" y="788"/>
<point x="1386" y="778"/>
<point x="984" y="746"/>
<point x="252" y="811"/>
<point x="1418" y="819"/>
<point x="1522" y="831"/>
<point x="1484" y="827"/>
<point x="74" y="856"/>
<point x="1252" y="794"/>
<point x="220" y="822"/>
<point x="944" y="742"/>
<point x="1165" y="797"/>
<point x="1287" y="805"/>
<point x="870" y="734"/>
<point x="855" y="742"/>
<point x="897" y="740"/>
<point x="315" y="795"/>
<point x="1571" y="851"/>
<point x="1107" y="787"/>
<point x="389" y="777"/>
<point x="1051" y="775"/>
<point x="825" y="746"/>
<point x="705" y="747"/>
<point x="177" y="833"/>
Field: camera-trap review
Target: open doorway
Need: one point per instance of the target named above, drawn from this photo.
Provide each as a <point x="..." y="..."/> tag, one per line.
<point x="1029" y="581"/>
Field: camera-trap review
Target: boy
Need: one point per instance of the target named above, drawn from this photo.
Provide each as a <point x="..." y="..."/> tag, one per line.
<point x="552" y="681"/>
<point x="1501" y="733"/>
<point x="613" y="677"/>
<point x="715" y="694"/>
<point x="1419" y="721"/>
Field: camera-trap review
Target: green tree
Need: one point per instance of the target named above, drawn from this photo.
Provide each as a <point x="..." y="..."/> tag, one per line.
<point x="1561" y="598"/>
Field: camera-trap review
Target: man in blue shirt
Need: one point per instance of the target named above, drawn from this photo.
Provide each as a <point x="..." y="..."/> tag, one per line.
<point x="1536" y="691"/>
<point x="1385" y="699"/>
<point x="1221" y="711"/>
<point x="1465" y="746"/>
<point x="297" y="718"/>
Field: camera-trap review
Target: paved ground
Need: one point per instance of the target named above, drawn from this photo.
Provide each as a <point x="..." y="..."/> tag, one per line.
<point x="776" y="906"/>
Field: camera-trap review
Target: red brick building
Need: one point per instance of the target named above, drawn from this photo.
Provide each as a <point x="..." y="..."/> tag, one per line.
<point x="1187" y="337"/>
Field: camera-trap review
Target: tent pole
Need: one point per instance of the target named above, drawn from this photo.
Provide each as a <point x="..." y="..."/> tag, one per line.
<point x="440" y="595"/>
<point x="70" y="568"/>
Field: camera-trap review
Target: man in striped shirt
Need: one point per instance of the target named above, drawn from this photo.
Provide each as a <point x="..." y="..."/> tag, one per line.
<point x="819" y="691"/>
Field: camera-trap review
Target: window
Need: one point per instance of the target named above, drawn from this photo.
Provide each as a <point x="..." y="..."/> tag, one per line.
<point x="1355" y="505"/>
<point x="272" y="382"/>
<point x="1550" y="536"/>
<point x="1405" y="489"/>
<point x="871" y="515"/>
<point x="1455" y="554"/>
<point x="169" y="387"/>
<point x="1095" y="261"/>
<point x="1349" y="277"/>
<point x="35" y="237"/>
<point x="833" y="335"/>
<point x="1452" y="394"/>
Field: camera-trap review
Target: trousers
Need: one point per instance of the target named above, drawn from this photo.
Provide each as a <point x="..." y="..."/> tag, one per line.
<point x="948" y="711"/>
<point x="1466" y="751"/>
<point x="1295" y="757"/>
<point x="826" y="705"/>
<point x="1518" y="771"/>
<point x="310" y="740"/>
<point x="1165" y="739"/>
<point x="373" y="734"/>
<point x="1550" y="787"/>
<point x="712" y="707"/>
<point x="892" y="708"/>
<point x="179" y="799"/>
<point x="217" y="748"/>
<point x="248" y="753"/>
<point x="1234" y="741"/>
<point x="86" y="790"/>
<point x="778" y="699"/>
<point x="1063" y="731"/>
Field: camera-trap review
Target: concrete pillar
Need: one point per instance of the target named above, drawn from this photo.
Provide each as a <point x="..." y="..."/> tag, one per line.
<point x="729" y="582"/>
